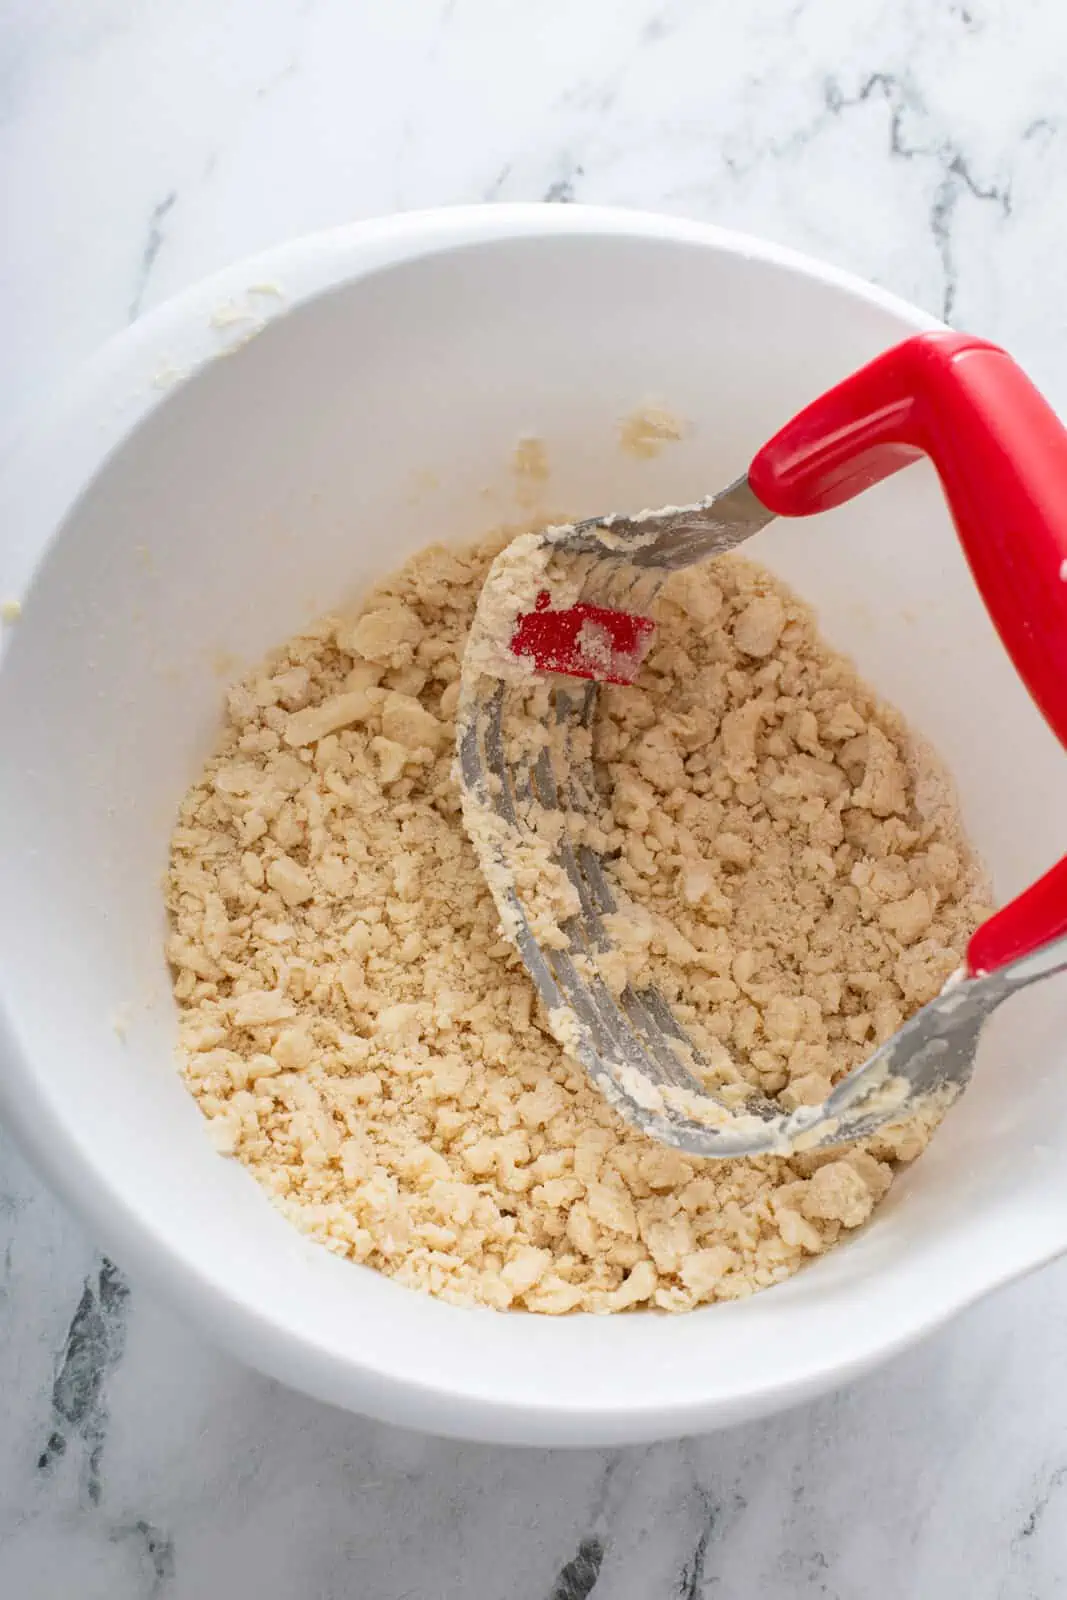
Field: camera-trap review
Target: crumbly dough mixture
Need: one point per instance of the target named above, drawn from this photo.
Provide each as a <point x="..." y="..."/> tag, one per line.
<point x="361" y="1036"/>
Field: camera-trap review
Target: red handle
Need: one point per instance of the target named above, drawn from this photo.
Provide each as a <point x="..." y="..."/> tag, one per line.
<point x="1034" y="918"/>
<point x="1001" y="453"/>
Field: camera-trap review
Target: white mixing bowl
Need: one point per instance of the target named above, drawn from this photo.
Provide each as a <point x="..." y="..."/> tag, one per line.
<point x="177" y="509"/>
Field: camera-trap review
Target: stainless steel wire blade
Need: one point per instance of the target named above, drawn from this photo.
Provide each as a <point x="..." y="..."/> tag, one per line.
<point x="632" y="1045"/>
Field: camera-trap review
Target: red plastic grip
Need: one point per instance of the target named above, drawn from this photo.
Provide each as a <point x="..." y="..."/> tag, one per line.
<point x="1001" y="454"/>
<point x="1035" y="917"/>
<point x="584" y="641"/>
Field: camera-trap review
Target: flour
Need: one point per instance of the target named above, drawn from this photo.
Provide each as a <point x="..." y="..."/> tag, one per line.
<point x="361" y="1036"/>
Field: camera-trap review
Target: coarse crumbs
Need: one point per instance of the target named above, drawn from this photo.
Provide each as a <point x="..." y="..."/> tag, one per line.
<point x="362" y="1037"/>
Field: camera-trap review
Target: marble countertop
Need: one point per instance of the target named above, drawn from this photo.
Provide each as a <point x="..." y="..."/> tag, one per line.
<point x="922" y="143"/>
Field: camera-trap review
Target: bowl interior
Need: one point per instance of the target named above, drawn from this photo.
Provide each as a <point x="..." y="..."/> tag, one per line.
<point x="368" y="419"/>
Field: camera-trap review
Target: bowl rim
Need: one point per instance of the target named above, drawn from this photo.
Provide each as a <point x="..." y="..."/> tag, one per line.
<point x="119" y="388"/>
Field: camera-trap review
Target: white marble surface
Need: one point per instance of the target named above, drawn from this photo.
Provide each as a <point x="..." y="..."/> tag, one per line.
<point x="921" y="142"/>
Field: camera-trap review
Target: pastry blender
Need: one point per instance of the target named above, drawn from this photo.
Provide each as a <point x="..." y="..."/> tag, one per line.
<point x="1001" y="454"/>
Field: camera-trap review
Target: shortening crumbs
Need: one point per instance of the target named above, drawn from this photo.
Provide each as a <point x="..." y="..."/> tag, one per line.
<point x="361" y="1037"/>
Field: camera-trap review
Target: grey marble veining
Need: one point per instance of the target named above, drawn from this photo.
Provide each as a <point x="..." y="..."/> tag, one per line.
<point x="920" y="142"/>
<point x="182" y="1474"/>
